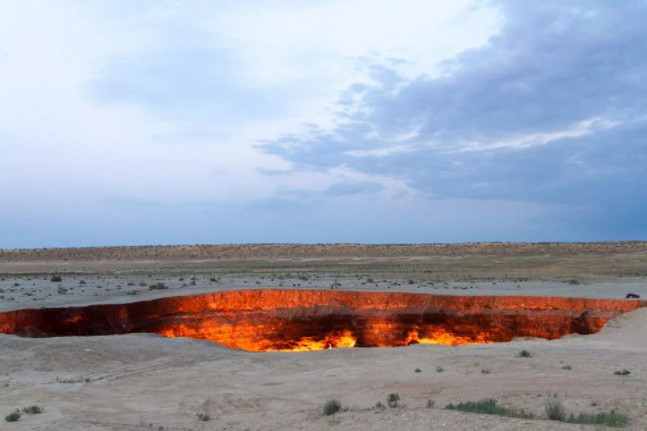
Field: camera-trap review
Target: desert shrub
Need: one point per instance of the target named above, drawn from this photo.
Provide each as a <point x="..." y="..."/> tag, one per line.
<point x="485" y="371"/>
<point x="418" y="370"/>
<point x="439" y="369"/>
<point x="13" y="416"/>
<point x="567" y="367"/>
<point x="524" y="354"/>
<point x="62" y="290"/>
<point x="379" y="405"/>
<point x="430" y="404"/>
<point x="331" y="407"/>
<point x="488" y="407"/>
<point x="203" y="417"/>
<point x="56" y="278"/>
<point x="158" y="286"/>
<point x="555" y="410"/>
<point x="611" y="419"/>
<point x="393" y="400"/>
<point x="33" y="410"/>
<point x="624" y="372"/>
<point x="573" y="281"/>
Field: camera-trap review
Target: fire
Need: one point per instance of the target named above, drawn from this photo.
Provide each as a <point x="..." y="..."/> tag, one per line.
<point x="445" y="338"/>
<point x="268" y="320"/>
<point x="244" y="339"/>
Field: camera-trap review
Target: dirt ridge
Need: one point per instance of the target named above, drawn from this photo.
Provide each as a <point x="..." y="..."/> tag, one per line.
<point x="314" y="251"/>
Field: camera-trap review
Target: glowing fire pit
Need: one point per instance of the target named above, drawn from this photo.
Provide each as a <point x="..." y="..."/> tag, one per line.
<point x="301" y="320"/>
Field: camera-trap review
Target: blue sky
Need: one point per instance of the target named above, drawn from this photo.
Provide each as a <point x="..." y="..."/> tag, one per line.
<point x="180" y="122"/>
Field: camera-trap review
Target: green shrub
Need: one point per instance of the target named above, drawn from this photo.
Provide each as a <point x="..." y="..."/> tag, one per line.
<point x="393" y="400"/>
<point x="33" y="410"/>
<point x="379" y="405"/>
<point x="611" y="419"/>
<point x="331" y="407"/>
<point x="489" y="407"/>
<point x="56" y="278"/>
<point x="624" y="372"/>
<point x="418" y="370"/>
<point x="524" y="354"/>
<point x="573" y="281"/>
<point x="13" y="416"/>
<point x="430" y="404"/>
<point x="157" y="286"/>
<point x="203" y="417"/>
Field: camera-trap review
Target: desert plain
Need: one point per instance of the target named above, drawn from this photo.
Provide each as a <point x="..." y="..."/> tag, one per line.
<point x="146" y="381"/>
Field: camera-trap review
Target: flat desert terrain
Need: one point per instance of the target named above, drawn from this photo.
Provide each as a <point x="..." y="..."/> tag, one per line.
<point x="146" y="381"/>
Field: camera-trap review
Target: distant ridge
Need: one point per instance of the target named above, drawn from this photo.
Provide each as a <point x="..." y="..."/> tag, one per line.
<point x="312" y="251"/>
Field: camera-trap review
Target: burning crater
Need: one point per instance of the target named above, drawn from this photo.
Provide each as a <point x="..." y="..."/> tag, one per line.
<point x="301" y="320"/>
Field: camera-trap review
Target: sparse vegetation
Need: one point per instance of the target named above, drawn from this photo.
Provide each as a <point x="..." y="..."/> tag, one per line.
<point x="485" y="371"/>
<point x="611" y="419"/>
<point x="331" y="407"/>
<point x="13" y="416"/>
<point x="33" y="410"/>
<point x="62" y="290"/>
<point x="567" y="367"/>
<point x="430" y="404"/>
<point x="203" y="417"/>
<point x="379" y="405"/>
<point x="158" y="286"/>
<point x="573" y="281"/>
<point x="555" y="409"/>
<point x="393" y="400"/>
<point x="525" y="354"/>
<point x="439" y="369"/>
<point x="418" y="370"/>
<point x="56" y="278"/>
<point x="488" y="407"/>
<point x="624" y="372"/>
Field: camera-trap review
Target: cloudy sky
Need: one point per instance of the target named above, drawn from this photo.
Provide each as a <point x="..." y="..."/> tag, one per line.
<point x="180" y="122"/>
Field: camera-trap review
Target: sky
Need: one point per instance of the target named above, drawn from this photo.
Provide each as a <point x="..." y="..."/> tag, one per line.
<point x="255" y="121"/>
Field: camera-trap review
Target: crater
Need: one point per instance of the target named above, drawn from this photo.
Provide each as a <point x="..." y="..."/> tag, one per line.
<point x="301" y="320"/>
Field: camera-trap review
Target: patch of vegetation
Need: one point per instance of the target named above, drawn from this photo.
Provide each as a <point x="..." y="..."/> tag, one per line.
<point x="431" y="404"/>
<point x="418" y="370"/>
<point x="439" y="369"/>
<point x="33" y="410"/>
<point x="62" y="290"/>
<point x="56" y="278"/>
<point x="203" y="417"/>
<point x="158" y="286"/>
<point x="331" y="407"/>
<point x="393" y="400"/>
<point x="555" y="410"/>
<point x="485" y="371"/>
<point x="525" y="354"/>
<point x="573" y="281"/>
<point x="380" y="406"/>
<point x="611" y="419"/>
<point x="567" y="367"/>
<point x="488" y="407"/>
<point x="13" y="416"/>
<point x="624" y="372"/>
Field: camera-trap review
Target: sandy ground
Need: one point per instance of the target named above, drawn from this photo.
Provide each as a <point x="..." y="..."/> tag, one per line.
<point x="137" y="382"/>
<point x="143" y="381"/>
